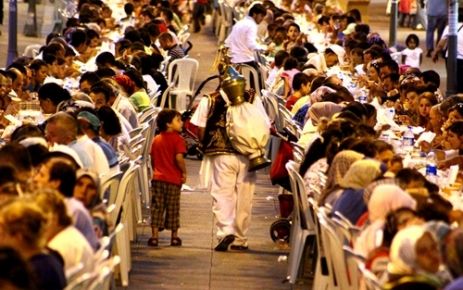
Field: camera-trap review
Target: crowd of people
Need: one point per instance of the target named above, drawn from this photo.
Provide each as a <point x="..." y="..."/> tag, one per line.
<point x="91" y="83"/>
<point x="357" y="109"/>
<point x="358" y="106"/>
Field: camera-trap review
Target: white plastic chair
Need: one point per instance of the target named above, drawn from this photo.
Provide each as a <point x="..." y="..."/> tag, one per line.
<point x="252" y="78"/>
<point x="75" y="272"/>
<point x="104" y="277"/>
<point x="370" y="279"/>
<point x="226" y="22"/>
<point x="182" y="74"/>
<point x="110" y="183"/>
<point x="302" y="223"/>
<point x="122" y="243"/>
<point x="353" y="261"/>
<point x="337" y="266"/>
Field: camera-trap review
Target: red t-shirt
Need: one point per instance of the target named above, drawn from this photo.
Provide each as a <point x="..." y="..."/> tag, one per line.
<point x="163" y="151"/>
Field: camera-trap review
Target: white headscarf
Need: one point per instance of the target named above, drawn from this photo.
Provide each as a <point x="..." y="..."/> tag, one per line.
<point x="403" y="254"/>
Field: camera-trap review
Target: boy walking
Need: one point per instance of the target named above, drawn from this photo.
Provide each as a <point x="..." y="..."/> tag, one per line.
<point x="169" y="174"/>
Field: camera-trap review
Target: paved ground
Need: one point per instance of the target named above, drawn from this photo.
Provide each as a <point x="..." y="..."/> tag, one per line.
<point x="196" y="265"/>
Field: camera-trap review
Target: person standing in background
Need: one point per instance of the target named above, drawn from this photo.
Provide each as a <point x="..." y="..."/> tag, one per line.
<point x="437" y="20"/>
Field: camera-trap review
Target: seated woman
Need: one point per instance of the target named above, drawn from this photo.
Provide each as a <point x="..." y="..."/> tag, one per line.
<point x="338" y="168"/>
<point x="386" y="198"/>
<point x="61" y="235"/>
<point x="361" y="173"/>
<point x="425" y="102"/>
<point x="88" y="191"/>
<point x="453" y="141"/>
<point x="23" y="226"/>
<point x="414" y="258"/>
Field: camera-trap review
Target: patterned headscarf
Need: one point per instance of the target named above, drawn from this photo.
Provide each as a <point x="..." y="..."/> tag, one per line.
<point x="340" y="165"/>
<point x="322" y="110"/>
<point x="362" y="173"/>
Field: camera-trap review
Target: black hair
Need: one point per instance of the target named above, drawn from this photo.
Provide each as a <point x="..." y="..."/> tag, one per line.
<point x="78" y="37"/>
<point x="50" y="36"/>
<point x="432" y="77"/>
<point x="362" y="28"/>
<point x="105" y="72"/>
<point x="65" y="174"/>
<point x="136" y="77"/>
<point x="290" y="63"/>
<point x="104" y="59"/>
<point x="128" y="8"/>
<point x="294" y="24"/>
<point x="257" y="9"/>
<point x="110" y="123"/>
<point x="300" y="53"/>
<point x="165" y="117"/>
<point x="310" y="47"/>
<point x="54" y="92"/>
<point x="366" y="146"/>
<point x="280" y="57"/>
<point x="299" y="80"/>
<point x="355" y="13"/>
<point x="411" y="37"/>
<point x="457" y="128"/>
<point x="15" y="155"/>
<point x="103" y="88"/>
<point x="7" y="174"/>
<point x="90" y="77"/>
<point x="25" y="131"/>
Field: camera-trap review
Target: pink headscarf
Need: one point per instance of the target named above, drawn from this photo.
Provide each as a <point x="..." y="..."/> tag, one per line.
<point x="386" y="198"/>
<point x="322" y="109"/>
<point x="317" y="95"/>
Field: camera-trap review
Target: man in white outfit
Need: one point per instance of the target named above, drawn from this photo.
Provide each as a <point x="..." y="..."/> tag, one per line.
<point x="242" y="40"/>
<point x="231" y="186"/>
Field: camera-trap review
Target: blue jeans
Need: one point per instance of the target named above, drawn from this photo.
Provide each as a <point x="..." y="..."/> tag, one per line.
<point x="434" y="23"/>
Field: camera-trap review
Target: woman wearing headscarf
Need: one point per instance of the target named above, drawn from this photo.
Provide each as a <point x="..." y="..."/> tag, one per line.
<point x="414" y="254"/>
<point x="338" y="168"/>
<point x="385" y="198"/>
<point x="453" y="255"/>
<point x="88" y="191"/>
<point x="317" y="114"/>
<point x="361" y="173"/>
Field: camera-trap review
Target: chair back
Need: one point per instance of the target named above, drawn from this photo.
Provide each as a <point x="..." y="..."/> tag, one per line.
<point x="182" y="74"/>
<point x="83" y="282"/>
<point x="252" y="78"/>
<point x="110" y="183"/>
<point x="334" y="255"/>
<point x="125" y="186"/>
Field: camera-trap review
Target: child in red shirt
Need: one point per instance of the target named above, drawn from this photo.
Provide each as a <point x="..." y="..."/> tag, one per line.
<point x="301" y="87"/>
<point x="169" y="174"/>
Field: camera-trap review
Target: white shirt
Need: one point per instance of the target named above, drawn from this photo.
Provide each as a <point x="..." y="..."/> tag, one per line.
<point x="242" y="40"/>
<point x="199" y="117"/>
<point x="412" y="56"/>
<point x="445" y="36"/>
<point x="99" y="164"/>
<point x="74" y="249"/>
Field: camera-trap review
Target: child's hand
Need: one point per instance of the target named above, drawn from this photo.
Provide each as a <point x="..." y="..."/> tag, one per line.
<point x="183" y="178"/>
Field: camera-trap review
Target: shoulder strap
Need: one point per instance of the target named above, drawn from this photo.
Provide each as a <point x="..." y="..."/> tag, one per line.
<point x="461" y="26"/>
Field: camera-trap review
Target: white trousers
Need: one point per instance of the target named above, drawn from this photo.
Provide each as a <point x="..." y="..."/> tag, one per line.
<point x="232" y="190"/>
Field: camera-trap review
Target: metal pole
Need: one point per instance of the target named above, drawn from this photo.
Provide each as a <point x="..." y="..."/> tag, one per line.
<point x="12" y="32"/>
<point x="452" y="48"/>
<point x="30" y="28"/>
<point x="393" y="24"/>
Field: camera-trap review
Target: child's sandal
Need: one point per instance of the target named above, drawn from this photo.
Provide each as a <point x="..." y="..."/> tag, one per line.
<point x="153" y="242"/>
<point x="176" y="242"/>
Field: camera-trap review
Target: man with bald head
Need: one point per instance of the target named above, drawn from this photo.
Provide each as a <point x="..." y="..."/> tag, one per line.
<point x="62" y="128"/>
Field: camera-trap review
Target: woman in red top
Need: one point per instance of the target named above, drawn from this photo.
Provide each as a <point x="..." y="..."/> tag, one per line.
<point x="169" y="174"/>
